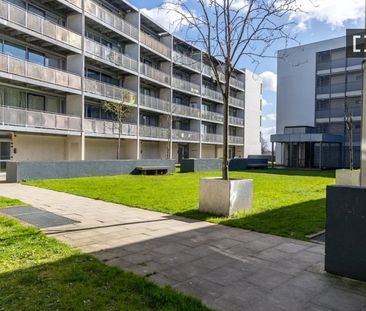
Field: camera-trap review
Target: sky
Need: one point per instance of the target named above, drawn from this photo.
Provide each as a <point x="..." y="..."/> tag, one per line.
<point x="318" y="20"/>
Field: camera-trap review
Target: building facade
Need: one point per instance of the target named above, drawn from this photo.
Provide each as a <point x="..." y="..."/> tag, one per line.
<point x="60" y="60"/>
<point x="318" y="87"/>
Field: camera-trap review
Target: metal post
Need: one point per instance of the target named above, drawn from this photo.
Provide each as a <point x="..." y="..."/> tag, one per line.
<point x="363" y="129"/>
<point x="321" y="155"/>
<point x="273" y="157"/>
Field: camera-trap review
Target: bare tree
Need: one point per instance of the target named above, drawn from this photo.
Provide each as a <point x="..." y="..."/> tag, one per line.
<point x="119" y="113"/>
<point x="264" y="145"/>
<point x="228" y="33"/>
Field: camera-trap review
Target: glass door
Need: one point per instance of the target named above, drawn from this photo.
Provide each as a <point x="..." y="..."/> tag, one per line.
<point x="4" y="154"/>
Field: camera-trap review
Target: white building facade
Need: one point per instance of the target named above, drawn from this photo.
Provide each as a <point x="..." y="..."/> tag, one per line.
<point x="60" y="60"/>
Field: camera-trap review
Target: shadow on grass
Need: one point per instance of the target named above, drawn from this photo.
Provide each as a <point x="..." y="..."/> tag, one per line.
<point x="294" y="221"/>
<point x="292" y="172"/>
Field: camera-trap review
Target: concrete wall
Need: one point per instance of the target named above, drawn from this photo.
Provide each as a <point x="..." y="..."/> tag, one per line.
<point x="253" y="112"/>
<point x="153" y="150"/>
<point x="36" y="170"/>
<point x="209" y="152"/>
<point x="296" y="80"/>
<point x="200" y="165"/>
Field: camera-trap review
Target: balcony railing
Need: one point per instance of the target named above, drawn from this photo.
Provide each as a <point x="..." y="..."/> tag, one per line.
<point x="185" y="110"/>
<point x="39" y="119"/>
<point x="109" y="91"/>
<point x="38" y="24"/>
<point x="212" y="138"/>
<point x="186" y="60"/>
<point x="185" y="135"/>
<point x="186" y="86"/>
<point x="154" y="132"/>
<point x="114" y="21"/>
<point x="237" y="140"/>
<point x="212" y="116"/>
<point x="237" y="83"/>
<point x="154" y="44"/>
<point x="105" y="53"/>
<point x="154" y="103"/>
<point x="37" y="72"/>
<point x="236" y="121"/>
<point x="154" y="73"/>
<point x="237" y="102"/>
<point x="75" y="2"/>
<point x="103" y="127"/>
<point x="207" y="70"/>
<point x="212" y="94"/>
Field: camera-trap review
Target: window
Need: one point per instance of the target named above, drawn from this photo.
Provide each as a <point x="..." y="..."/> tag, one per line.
<point x="14" y="97"/>
<point x="53" y="104"/>
<point x="36" y="102"/>
<point x="14" y="50"/>
<point x="36" y="57"/>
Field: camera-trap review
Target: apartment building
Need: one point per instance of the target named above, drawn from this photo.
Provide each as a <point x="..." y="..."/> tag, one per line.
<point x="318" y="86"/>
<point x="60" y="60"/>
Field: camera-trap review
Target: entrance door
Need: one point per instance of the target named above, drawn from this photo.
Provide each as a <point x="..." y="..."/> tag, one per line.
<point x="4" y="154"/>
<point x="183" y="152"/>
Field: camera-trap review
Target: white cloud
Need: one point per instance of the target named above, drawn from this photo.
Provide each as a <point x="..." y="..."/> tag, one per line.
<point x="269" y="80"/>
<point x="332" y="12"/>
<point x="271" y="116"/>
<point x="265" y="103"/>
<point x="167" y="15"/>
<point x="267" y="132"/>
<point x="235" y="5"/>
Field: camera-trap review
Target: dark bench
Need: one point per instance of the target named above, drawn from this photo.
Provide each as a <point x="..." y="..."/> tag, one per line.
<point x="257" y="165"/>
<point x="152" y="170"/>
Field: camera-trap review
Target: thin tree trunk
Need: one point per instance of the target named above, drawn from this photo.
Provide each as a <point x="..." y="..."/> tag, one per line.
<point x="225" y="161"/>
<point x="350" y="132"/>
<point x="119" y="139"/>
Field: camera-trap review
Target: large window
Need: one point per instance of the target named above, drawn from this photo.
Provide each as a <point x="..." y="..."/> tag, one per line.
<point x="36" y="102"/>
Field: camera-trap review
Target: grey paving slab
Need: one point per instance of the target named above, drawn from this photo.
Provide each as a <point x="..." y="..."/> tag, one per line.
<point x="227" y="268"/>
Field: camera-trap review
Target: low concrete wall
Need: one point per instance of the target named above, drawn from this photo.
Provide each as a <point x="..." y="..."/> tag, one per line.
<point x="242" y="164"/>
<point x="37" y="170"/>
<point x="345" y="251"/>
<point x="200" y="165"/>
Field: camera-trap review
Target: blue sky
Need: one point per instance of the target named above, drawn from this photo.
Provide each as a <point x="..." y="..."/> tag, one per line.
<point x="324" y="19"/>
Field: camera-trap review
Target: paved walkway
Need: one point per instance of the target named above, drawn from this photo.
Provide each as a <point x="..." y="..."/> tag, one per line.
<point x="227" y="268"/>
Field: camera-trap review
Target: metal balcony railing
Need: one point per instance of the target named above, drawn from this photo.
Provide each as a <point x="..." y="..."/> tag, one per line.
<point x="237" y="102"/>
<point x="237" y="83"/>
<point x="110" y="55"/>
<point x="237" y="140"/>
<point x="75" y="2"/>
<point x="186" y="60"/>
<point x="154" y="44"/>
<point x="17" y="15"/>
<point x="38" y="119"/>
<point x="185" y="135"/>
<point x="154" y="132"/>
<point x="207" y="70"/>
<point x="102" y="89"/>
<point x="154" y="73"/>
<point x="212" y="138"/>
<point x="212" y="94"/>
<point x="185" y="110"/>
<point x="37" y="72"/>
<point x="154" y="103"/>
<point x="112" y="20"/>
<point x="212" y="116"/>
<point x="186" y="86"/>
<point x="236" y="121"/>
<point x="103" y="127"/>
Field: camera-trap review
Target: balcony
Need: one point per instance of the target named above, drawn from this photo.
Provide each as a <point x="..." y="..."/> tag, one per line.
<point x="154" y="74"/>
<point x="39" y="75"/>
<point x="212" y="116"/>
<point x="237" y="102"/>
<point x="110" y="56"/>
<point x="237" y="83"/>
<point x="76" y="3"/>
<point x="154" y="44"/>
<point x="37" y="26"/>
<point x="186" y="86"/>
<point x="236" y="121"/>
<point x="187" y="61"/>
<point x="236" y="140"/>
<point x="212" y="138"/>
<point x="185" y="111"/>
<point x="207" y="70"/>
<point x="154" y="103"/>
<point x="183" y="135"/>
<point x="154" y="132"/>
<point x="211" y="94"/>
<point x="110" y="19"/>
<point x="108" y="128"/>
<point x="38" y="119"/>
<point x="109" y="91"/>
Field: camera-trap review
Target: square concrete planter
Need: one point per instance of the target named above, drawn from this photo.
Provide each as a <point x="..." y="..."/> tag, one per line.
<point x="348" y="178"/>
<point x="225" y="197"/>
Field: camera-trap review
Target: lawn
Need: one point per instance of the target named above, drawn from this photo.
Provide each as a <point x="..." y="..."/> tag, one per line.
<point x="40" y="273"/>
<point x="288" y="203"/>
<point x="5" y="202"/>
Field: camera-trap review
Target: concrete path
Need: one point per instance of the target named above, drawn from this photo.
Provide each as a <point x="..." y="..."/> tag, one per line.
<point x="227" y="268"/>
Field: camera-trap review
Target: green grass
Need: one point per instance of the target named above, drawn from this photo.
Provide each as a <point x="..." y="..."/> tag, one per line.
<point x="39" y="273"/>
<point x="288" y="203"/>
<point x="6" y="202"/>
